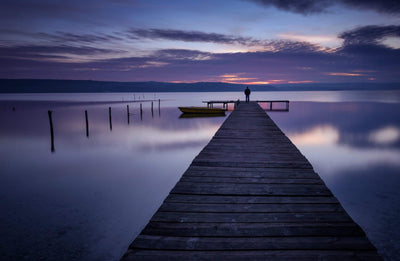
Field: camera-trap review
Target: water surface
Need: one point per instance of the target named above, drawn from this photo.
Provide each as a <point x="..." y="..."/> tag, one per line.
<point x="91" y="196"/>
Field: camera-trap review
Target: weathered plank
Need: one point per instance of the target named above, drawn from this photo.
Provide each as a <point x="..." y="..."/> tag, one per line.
<point x="281" y="255"/>
<point x="250" y="189"/>
<point x="240" y="199"/>
<point x="251" y="194"/>
<point x="251" y="217"/>
<point x="253" y="208"/>
<point x="252" y="229"/>
<point x="244" y="164"/>
<point x="249" y="180"/>
<point x="250" y="243"/>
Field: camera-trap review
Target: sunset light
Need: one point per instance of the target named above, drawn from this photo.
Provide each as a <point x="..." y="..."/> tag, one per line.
<point x="257" y="41"/>
<point x="199" y="130"/>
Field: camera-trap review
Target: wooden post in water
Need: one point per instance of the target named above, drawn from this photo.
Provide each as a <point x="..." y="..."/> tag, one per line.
<point x="159" y="108"/>
<point x="127" y="112"/>
<point x="141" y="112"/>
<point x="270" y="106"/>
<point x="87" y="124"/>
<point x="109" y="116"/>
<point x="152" y="112"/>
<point x="51" y="131"/>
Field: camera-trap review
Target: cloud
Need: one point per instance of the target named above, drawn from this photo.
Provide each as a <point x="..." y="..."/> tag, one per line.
<point x="307" y="7"/>
<point x="188" y="36"/>
<point x="196" y="36"/>
<point x="62" y="37"/>
<point x="369" y="35"/>
<point x="383" y="6"/>
<point x="361" y="56"/>
<point x="182" y="54"/>
<point x="298" y="6"/>
<point x="49" y="52"/>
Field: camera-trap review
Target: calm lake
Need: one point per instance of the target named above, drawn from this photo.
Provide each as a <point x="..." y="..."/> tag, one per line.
<point x="91" y="194"/>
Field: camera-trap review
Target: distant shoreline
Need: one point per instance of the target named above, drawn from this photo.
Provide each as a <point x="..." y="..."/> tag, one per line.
<point x="87" y="86"/>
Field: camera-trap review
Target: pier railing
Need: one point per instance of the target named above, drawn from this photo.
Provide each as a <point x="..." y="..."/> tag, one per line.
<point x="270" y="107"/>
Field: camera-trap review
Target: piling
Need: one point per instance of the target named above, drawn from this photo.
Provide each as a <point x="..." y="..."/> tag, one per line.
<point x="152" y="112"/>
<point x="87" y="124"/>
<point x="127" y="113"/>
<point x="109" y="117"/>
<point x="159" y="107"/>
<point x="141" y="112"/>
<point x="51" y="131"/>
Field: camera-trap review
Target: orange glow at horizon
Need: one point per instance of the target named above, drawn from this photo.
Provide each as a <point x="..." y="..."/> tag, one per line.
<point x="239" y="79"/>
<point x="300" y="81"/>
<point x="254" y="83"/>
<point x="345" y="74"/>
<point x="183" y="81"/>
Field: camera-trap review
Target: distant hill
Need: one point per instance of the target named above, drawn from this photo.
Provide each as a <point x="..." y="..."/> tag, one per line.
<point x="79" y="86"/>
<point x="71" y="86"/>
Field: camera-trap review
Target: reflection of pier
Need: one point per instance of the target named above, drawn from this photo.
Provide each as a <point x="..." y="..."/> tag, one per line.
<point x="225" y="104"/>
<point x="251" y="194"/>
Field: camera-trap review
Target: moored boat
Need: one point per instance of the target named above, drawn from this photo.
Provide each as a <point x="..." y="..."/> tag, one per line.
<point x="202" y="110"/>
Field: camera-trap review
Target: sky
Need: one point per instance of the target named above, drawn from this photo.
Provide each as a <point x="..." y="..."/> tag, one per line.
<point x="235" y="41"/>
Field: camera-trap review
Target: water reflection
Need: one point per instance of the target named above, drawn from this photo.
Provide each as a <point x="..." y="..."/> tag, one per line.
<point x="355" y="148"/>
<point x="357" y="123"/>
<point x="89" y="199"/>
<point x="67" y="111"/>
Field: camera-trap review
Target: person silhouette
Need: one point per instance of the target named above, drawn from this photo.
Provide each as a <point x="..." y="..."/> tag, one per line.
<point x="247" y="92"/>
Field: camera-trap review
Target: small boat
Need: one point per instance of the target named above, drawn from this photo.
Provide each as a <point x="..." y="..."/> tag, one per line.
<point x="202" y="110"/>
<point x="200" y="115"/>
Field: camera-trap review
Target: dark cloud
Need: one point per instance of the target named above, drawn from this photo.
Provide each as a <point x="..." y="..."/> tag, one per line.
<point x="78" y="38"/>
<point x="195" y="36"/>
<point x="43" y="51"/>
<point x="318" y="6"/>
<point x="292" y="46"/>
<point x="182" y="54"/>
<point x="383" y="6"/>
<point x="369" y="35"/>
<point x="188" y="36"/>
<point x="298" y="6"/>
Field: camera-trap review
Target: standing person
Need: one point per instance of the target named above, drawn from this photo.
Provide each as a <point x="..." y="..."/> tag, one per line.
<point x="247" y="92"/>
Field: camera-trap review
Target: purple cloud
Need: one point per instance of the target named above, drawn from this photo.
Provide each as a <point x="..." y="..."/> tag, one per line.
<point x="369" y="34"/>
<point x="318" y="6"/>
<point x="62" y="37"/>
<point x="298" y="6"/>
<point x="44" y="51"/>
<point x="188" y="36"/>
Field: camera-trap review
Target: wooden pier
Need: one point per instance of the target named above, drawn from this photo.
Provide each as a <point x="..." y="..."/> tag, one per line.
<point x="251" y="195"/>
